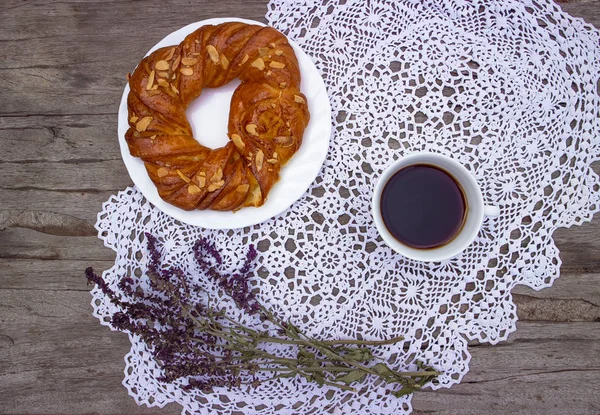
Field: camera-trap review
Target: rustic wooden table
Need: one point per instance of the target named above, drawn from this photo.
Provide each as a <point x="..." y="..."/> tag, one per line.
<point x="62" y="67"/>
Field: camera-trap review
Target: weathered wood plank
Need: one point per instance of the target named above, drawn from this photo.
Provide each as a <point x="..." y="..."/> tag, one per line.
<point x="46" y="222"/>
<point x="544" y="368"/>
<point x="579" y="246"/>
<point x="65" y="275"/>
<point x="72" y="177"/>
<point x="585" y="286"/>
<point x="72" y="139"/>
<point x="82" y="203"/>
<point x="553" y="309"/>
<point x="587" y="10"/>
<point x="55" y="358"/>
<point x="80" y="363"/>
<point x="574" y="297"/>
<point x="27" y="244"/>
<point x="88" y="75"/>
<point x="60" y="79"/>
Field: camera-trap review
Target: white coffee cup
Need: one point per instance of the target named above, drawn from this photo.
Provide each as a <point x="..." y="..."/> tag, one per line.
<point x="476" y="209"/>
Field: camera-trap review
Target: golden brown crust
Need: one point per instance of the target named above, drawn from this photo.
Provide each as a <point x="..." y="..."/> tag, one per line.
<point x="267" y="117"/>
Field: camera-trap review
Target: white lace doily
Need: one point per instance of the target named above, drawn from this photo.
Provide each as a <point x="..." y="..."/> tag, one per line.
<point x="509" y="88"/>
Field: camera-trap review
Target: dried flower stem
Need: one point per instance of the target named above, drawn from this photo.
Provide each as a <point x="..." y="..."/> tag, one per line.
<point x="196" y="342"/>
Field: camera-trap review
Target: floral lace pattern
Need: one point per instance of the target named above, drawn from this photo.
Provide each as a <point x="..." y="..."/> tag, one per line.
<point x="508" y="88"/>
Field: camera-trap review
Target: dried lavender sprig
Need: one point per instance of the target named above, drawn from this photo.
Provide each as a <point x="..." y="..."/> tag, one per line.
<point x="231" y="351"/>
<point x="236" y="285"/>
<point x="291" y="331"/>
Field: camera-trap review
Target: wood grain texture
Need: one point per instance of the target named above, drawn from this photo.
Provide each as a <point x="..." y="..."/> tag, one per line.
<point x="544" y="368"/>
<point x="62" y="69"/>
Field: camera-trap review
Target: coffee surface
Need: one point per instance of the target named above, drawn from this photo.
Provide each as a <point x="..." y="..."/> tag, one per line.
<point x="423" y="206"/>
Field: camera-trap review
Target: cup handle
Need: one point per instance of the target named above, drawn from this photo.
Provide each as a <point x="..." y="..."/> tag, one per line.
<point x="491" y="211"/>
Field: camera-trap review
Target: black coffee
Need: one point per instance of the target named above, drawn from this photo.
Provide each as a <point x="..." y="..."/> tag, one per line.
<point x="422" y="206"/>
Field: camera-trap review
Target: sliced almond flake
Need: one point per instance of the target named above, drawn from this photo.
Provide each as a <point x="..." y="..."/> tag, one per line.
<point x="155" y="87"/>
<point x="299" y="99"/>
<point x="163" y="74"/>
<point x="259" y="64"/>
<point x="133" y="119"/>
<point x="170" y="92"/>
<point x="246" y="57"/>
<point x="150" y="81"/>
<point x="278" y="52"/>
<point x="284" y="140"/>
<point x="163" y="83"/>
<point x="283" y="85"/>
<point x="193" y="189"/>
<point x="268" y="73"/>
<point x="197" y="41"/>
<point x="212" y="52"/>
<point x="243" y="188"/>
<point x="252" y="129"/>
<point x="224" y="62"/>
<point x="263" y="51"/>
<point x="215" y="186"/>
<point x="217" y="176"/>
<point x="187" y="71"/>
<point x="237" y="140"/>
<point x="195" y="53"/>
<point x="272" y="161"/>
<point x="174" y="89"/>
<point x="277" y="65"/>
<point x="176" y="64"/>
<point x="202" y="173"/>
<point x="153" y="137"/>
<point x="273" y="45"/>
<point x="143" y="124"/>
<point x="275" y="155"/>
<point x="153" y="93"/>
<point x="183" y="176"/>
<point x="162" y="172"/>
<point x="258" y="160"/>
<point x="201" y="181"/>
<point x="189" y="61"/>
<point x="170" y="55"/>
<point x="162" y="65"/>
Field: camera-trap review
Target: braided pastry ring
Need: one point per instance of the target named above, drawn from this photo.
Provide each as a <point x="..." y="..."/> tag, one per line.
<point x="268" y="115"/>
<point x="296" y="177"/>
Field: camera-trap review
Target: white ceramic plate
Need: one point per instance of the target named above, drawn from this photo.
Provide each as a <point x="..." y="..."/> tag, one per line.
<point x="208" y="116"/>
